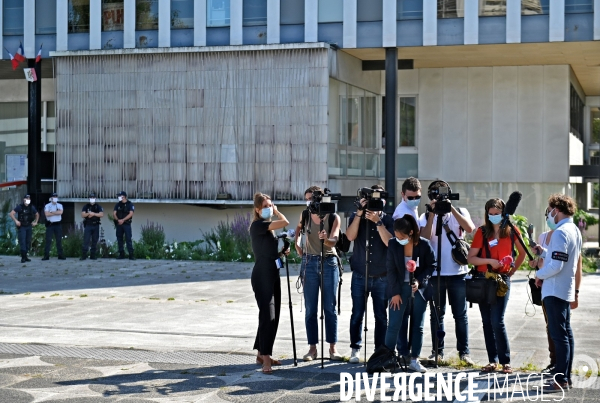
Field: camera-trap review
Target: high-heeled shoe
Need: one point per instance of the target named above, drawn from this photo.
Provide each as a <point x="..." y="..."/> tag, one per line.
<point x="259" y="361"/>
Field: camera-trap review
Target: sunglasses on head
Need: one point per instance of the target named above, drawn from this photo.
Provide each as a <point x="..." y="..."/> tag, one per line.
<point x="413" y="197"/>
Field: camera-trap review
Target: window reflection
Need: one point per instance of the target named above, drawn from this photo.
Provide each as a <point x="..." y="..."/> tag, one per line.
<point x="490" y="8"/>
<point x="331" y="10"/>
<point x="532" y="7"/>
<point x="45" y="17"/>
<point x="409" y="9"/>
<point x="146" y="14"/>
<point x="217" y="13"/>
<point x="182" y="14"/>
<point x="79" y="16"/>
<point x="369" y="10"/>
<point x="451" y="8"/>
<point x="12" y="17"/>
<point x="292" y="12"/>
<point x="579" y="6"/>
<point x="255" y="12"/>
<point x="407" y="122"/>
<point x="113" y="14"/>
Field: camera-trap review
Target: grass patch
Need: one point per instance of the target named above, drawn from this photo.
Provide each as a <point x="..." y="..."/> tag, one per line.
<point x="171" y="299"/>
<point x="27" y="293"/>
<point x="69" y="298"/>
<point x="246" y="375"/>
<point x="154" y="298"/>
<point x="55" y="295"/>
<point x="229" y="301"/>
<point x="83" y="296"/>
<point x="530" y="367"/>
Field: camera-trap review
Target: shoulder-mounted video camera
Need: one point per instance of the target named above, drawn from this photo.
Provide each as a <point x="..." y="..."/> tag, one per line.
<point x="375" y="199"/>
<point x="441" y="192"/>
<point x="321" y="202"/>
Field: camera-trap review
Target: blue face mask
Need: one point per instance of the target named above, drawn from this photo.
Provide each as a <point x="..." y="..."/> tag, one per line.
<point x="413" y="203"/>
<point x="402" y="241"/>
<point x="266" y="213"/>
<point x="550" y="221"/>
<point x="495" y="219"/>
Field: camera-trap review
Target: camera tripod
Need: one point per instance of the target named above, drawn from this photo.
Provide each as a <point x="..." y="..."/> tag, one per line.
<point x="435" y="308"/>
<point x="286" y="246"/>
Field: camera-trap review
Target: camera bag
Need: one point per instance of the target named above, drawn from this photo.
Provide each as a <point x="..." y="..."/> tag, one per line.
<point x="460" y="247"/>
<point x="384" y="360"/>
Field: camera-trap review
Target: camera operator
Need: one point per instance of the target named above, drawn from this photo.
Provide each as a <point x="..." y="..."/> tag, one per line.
<point x="311" y="274"/>
<point x="411" y="197"/>
<point x="452" y="280"/>
<point x="558" y="281"/>
<point x="380" y="232"/>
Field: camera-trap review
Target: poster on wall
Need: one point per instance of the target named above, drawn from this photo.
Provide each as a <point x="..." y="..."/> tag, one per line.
<point x="16" y="167"/>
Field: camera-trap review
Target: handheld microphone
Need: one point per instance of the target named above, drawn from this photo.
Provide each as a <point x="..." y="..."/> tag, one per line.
<point x="511" y="206"/>
<point x="288" y="234"/>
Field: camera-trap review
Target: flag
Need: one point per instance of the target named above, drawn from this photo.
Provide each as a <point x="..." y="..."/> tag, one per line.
<point x="39" y="55"/>
<point x="19" y="56"/>
<point x="14" y="62"/>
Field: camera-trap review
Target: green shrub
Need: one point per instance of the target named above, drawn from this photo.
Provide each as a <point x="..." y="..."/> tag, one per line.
<point x="8" y="233"/>
<point x="153" y="238"/>
<point x="72" y="242"/>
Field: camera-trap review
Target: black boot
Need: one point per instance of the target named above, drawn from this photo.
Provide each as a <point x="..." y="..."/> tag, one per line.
<point x="27" y="258"/>
<point x="93" y="256"/>
<point x="131" y="257"/>
<point x="23" y="257"/>
<point x="121" y="255"/>
<point x="83" y="256"/>
<point x="62" y="257"/>
<point x="46" y="257"/>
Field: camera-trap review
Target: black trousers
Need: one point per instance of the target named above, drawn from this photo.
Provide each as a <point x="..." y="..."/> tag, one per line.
<point x="54" y="230"/>
<point x="267" y="291"/>
<point x="92" y="232"/>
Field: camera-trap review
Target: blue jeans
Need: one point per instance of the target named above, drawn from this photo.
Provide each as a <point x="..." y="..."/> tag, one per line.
<point x="397" y="318"/>
<point x="377" y="288"/>
<point x="124" y="229"/>
<point x="312" y="284"/>
<point x="456" y="288"/>
<point x="559" y="326"/>
<point x="494" y="331"/>
<point x="24" y="233"/>
<point x="90" y="233"/>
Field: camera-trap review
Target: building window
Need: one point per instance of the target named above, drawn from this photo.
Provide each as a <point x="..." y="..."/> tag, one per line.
<point x="146" y="15"/>
<point x="595" y="115"/>
<point x="409" y="9"/>
<point x="532" y="7"/>
<point x="217" y="13"/>
<point x="354" y="148"/>
<point x="12" y="17"/>
<point x="112" y="15"/>
<point x="331" y="11"/>
<point x="407" y="121"/>
<point x="13" y="141"/>
<point x="451" y="8"/>
<point x="369" y="10"/>
<point x="292" y="12"/>
<point x="579" y="6"/>
<point x="491" y="8"/>
<point x="182" y="14"/>
<point x="255" y="12"/>
<point x="576" y="114"/>
<point x="79" y="16"/>
<point x="45" y="17"/>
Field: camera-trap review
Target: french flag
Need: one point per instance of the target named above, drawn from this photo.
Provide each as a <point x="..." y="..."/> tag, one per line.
<point x="19" y="56"/>
<point x="14" y="62"/>
<point x="39" y="55"/>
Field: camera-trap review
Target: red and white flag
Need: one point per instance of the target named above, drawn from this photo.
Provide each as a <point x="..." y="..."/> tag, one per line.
<point x="20" y="55"/>
<point x="14" y="62"/>
<point x="39" y="55"/>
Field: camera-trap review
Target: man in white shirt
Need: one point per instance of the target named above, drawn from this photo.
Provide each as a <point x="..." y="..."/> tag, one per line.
<point x="452" y="275"/>
<point x="53" y="212"/>
<point x="558" y="278"/>
<point x="411" y="197"/>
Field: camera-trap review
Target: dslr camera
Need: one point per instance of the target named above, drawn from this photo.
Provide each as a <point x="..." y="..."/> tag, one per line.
<point x="442" y="196"/>
<point x="374" y="198"/>
<point x="321" y="202"/>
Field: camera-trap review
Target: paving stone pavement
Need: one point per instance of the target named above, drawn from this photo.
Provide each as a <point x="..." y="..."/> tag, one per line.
<point x="164" y="331"/>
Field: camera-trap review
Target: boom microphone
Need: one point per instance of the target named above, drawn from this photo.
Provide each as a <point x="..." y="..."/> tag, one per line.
<point x="289" y="234"/>
<point x="511" y="206"/>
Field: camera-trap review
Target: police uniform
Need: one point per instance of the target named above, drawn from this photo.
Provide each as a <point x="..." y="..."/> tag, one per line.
<point x="26" y="215"/>
<point x="121" y="211"/>
<point x="558" y="290"/>
<point x="91" y="229"/>
<point x="53" y="228"/>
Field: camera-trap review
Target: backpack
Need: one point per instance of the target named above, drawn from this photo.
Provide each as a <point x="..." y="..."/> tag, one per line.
<point x="384" y="360"/>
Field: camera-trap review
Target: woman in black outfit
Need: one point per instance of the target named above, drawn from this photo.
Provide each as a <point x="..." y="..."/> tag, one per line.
<point x="265" y="277"/>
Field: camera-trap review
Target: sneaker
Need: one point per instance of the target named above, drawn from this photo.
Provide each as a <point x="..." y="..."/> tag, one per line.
<point x="432" y="357"/>
<point x="354" y="356"/>
<point x="548" y="369"/>
<point x="416" y="366"/>
<point x="467" y="359"/>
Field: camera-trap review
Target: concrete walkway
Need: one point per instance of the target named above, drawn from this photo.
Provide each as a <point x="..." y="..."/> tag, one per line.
<point x="164" y="331"/>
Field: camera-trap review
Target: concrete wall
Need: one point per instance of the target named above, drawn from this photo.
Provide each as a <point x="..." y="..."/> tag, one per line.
<point x="16" y="90"/>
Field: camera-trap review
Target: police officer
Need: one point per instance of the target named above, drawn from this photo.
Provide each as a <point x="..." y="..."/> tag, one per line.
<point x="53" y="212"/>
<point x="558" y="281"/>
<point x="27" y="217"/>
<point x="123" y="212"/>
<point x="91" y="213"/>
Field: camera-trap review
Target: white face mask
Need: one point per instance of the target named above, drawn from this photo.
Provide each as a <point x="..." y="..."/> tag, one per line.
<point x="27" y="201"/>
<point x="307" y="203"/>
<point x="120" y="198"/>
<point x="92" y="201"/>
<point x="54" y="199"/>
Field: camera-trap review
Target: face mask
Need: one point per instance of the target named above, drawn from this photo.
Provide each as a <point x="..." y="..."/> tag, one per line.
<point x="495" y="219"/>
<point x="27" y="202"/>
<point x="120" y="198"/>
<point x="550" y="220"/>
<point x="413" y="203"/>
<point x="402" y="241"/>
<point x="54" y="199"/>
<point x="266" y="213"/>
<point x="307" y="203"/>
<point x="92" y="201"/>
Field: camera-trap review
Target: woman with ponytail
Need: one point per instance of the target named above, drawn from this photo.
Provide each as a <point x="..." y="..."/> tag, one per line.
<point x="408" y="253"/>
<point x="265" y="277"/>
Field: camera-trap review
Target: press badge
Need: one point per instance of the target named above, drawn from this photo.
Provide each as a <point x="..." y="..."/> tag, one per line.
<point x="279" y="263"/>
<point x="563" y="257"/>
<point x="493" y="243"/>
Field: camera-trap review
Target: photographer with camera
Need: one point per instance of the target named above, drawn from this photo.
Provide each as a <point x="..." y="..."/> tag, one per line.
<point x="411" y="197"/>
<point x="379" y="233"/>
<point x="319" y="251"/>
<point x="451" y="278"/>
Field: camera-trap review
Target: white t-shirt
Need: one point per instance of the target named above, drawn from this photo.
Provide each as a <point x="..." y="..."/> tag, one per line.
<point x="403" y="209"/>
<point x="51" y="208"/>
<point x="449" y="266"/>
<point x="542" y="238"/>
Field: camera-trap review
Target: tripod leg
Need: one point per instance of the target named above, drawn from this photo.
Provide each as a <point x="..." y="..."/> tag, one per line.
<point x="287" y="270"/>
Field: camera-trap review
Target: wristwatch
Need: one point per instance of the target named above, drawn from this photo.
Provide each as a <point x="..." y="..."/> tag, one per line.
<point x="379" y="223"/>
<point x="576" y="291"/>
